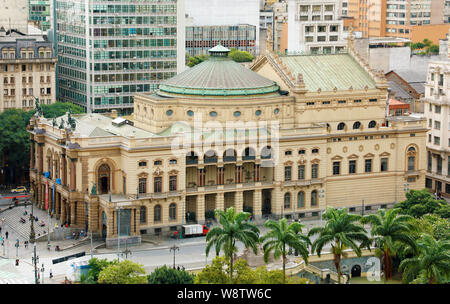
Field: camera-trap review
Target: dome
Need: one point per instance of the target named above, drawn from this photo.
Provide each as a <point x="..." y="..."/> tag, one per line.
<point x="219" y="76"/>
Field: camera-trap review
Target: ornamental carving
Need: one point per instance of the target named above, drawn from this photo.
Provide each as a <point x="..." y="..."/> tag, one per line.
<point x="328" y="150"/>
<point x="361" y="148"/>
<point x="377" y="147"/>
<point x="392" y="146"/>
<point x="157" y="172"/>
<point x="345" y="149"/>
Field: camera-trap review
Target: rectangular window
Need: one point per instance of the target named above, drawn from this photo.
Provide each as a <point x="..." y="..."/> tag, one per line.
<point x="287" y="173"/>
<point x="368" y="165"/>
<point x="173" y="183"/>
<point x="428" y="183"/>
<point x="336" y="168"/>
<point x="314" y="171"/>
<point x="158" y="184"/>
<point x="352" y="167"/>
<point x="437" y="125"/>
<point x="301" y="172"/>
<point x="437" y="140"/>
<point x="384" y="164"/>
<point x="142" y="185"/>
<point x="439" y="164"/>
<point x="437" y="109"/>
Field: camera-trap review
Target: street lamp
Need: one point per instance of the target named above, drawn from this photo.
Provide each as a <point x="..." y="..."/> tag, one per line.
<point x="174" y="248"/>
<point x="118" y="232"/>
<point x="35" y="260"/>
<point x="362" y="208"/>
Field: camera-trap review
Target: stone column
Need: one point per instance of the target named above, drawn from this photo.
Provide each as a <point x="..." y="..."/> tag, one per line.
<point x="276" y="201"/>
<point x="220" y="198"/>
<point x="41" y="158"/>
<point x="133" y="223"/>
<point x="200" y="212"/>
<point x="72" y="213"/>
<point x="73" y="180"/>
<point x="63" y="211"/>
<point x="64" y="170"/>
<point x="257" y="203"/>
<point x="57" y="204"/>
<point x="239" y="198"/>
<point x="32" y="160"/>
<point x="138" y="220"/>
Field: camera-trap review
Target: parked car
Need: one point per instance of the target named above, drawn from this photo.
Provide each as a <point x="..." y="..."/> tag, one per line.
<point x="19" y="189"/>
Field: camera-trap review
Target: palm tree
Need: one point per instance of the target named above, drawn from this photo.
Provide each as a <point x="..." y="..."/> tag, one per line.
<point x="234" y="227"/>
<point x="342" y="230"/>
<point x="431" y="264"/>
<point x="388" y="229"/>
<point x="281" y="238"/>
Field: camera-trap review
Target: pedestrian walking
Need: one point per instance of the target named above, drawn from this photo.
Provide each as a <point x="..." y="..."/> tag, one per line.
<point x="51" y="273"/>
<point x="6" y="234"/>
<point x="0" y="229"/>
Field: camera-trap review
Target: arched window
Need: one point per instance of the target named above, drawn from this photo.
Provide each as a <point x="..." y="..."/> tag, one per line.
<point x="173" y="211"/>
<point x="191" y="158"/>
<point x="356" y="125"/>
<point x="314" y="198"/>
<point x="157" y="214"/>
<point x="143" y="214"/>
<point x="341" y="126"/>
<point x="249" y="153"/>
<point x="210" y="157"/>
<point x="266" y="152"/>
<point x="301" y="199"/>
<point x="372" y="124"/>
<point x="287" y="201"/>
<point x="411" y="149"/>
<point x="229" y="155"/>
<point x="411" y="155"/>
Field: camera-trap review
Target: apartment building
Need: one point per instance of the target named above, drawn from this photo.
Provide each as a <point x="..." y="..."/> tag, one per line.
<point x="437" y="111"/>
<point x="394" y="18"/>
<point x="315" y="26"/>
<point x="27" y="70"/>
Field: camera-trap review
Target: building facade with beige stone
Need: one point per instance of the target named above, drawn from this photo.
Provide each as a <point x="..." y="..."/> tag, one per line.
<point x="288" y="137"/>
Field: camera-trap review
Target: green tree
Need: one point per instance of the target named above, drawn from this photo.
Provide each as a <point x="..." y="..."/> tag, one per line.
<point x="240" y="56"/>
<point x="281" y="238"/>
<point x="15" y="141"/>
<point x="388" y="229"/>
<point x="430" y="265"/>
<point x="432" y="224"/>
<point x="427" y="42"/>
<point x="213" y="273"/>
<point x="95" y="267"/>
<point x="421" y="202"/>
<point x="58" y="109"/>
<point x="342" y="230"/>
<point x="233" y="227"/>
<point x="433" y="49"/>
<point x="125" y="272"/>
<point x="167" y="275"/>
<point x="193" y="61"/>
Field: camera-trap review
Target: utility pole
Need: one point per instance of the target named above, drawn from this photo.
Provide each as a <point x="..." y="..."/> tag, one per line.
<point x="174" y="248"/>
<point x="91" y="246"/>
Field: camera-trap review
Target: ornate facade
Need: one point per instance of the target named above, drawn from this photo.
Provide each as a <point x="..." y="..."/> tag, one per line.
<point x="290" y="137"/>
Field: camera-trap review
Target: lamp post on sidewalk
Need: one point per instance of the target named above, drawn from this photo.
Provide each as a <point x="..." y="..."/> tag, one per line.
<point x="174" y="248"/>
<point x="35" y="260"/>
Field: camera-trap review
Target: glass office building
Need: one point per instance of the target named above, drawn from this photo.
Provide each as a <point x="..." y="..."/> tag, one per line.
<point x="108" y="51"/>
<point x="39" y="13"/>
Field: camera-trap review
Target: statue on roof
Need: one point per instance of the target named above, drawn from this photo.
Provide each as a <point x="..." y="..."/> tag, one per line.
<point x="54" y="121"/>
<point x="61" y="124"/>
<point x="37" y="107"/>
<point x="70" y="120"/>
<point x="94" y="189"/>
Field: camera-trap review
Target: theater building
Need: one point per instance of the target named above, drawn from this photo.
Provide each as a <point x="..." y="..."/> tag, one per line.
<point x="288" y="137"/>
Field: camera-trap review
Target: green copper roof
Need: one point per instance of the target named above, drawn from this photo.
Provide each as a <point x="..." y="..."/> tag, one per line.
<point x="329" y="71"/>
<point x="219" y="77"/>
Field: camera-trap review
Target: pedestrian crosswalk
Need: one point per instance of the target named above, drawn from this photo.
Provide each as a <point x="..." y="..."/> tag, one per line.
<point x="15" y="281"/>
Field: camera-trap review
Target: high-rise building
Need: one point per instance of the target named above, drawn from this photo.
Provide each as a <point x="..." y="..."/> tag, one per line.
<point x="108" y="51"/>
<point x="39" y="13"/>
<point x="199" y="39"/>
<point x="220" y="12"/>
<point x="315" y="26"/>
<point x="393" y="18"/>
<point x="437" y="111"/>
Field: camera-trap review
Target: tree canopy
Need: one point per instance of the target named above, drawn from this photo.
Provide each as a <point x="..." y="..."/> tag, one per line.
<point x="240" y="56"/>
<point x="421" y="202"/>
<point x="125" y="272"/>
<point x="166" y="275"/>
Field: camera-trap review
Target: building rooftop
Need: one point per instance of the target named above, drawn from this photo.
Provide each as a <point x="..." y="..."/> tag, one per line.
<point x="219" y="76"/>
<point x="327" y="72"/>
